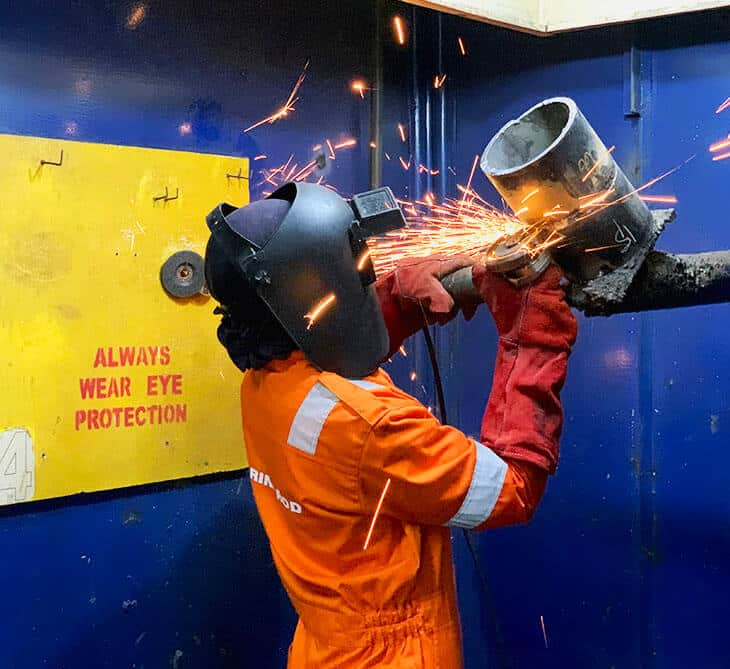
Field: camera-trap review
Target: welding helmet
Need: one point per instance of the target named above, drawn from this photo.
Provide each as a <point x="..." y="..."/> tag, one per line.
<point x="303" y="252"/>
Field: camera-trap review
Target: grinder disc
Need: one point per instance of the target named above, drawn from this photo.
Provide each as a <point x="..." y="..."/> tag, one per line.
<point x="509" y="257"/>
<point x="183" y="275"/>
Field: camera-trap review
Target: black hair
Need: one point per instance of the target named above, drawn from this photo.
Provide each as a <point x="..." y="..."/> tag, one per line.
<point x="248" y="330"/>
<point x="252" y="336"/>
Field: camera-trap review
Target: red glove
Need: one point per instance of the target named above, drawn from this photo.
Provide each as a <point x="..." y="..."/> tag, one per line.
<point x="523" y="418"/>
<point x="412" y="296"/>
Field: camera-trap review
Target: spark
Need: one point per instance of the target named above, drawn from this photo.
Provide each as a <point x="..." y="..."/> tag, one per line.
<point x="375" y="515"/>
<point x="261" y="156"/>
<point x="402" y="132"/>
<point x="438" y="81"/>
<point x="287" y="107"/>
<point x="544" y="633"/>
<point x="470" y="225"/>
<point x="529" y="195"/>
<point x="185" y="128"/>
<point x="722" y="144"/>
<point x="602" y="248"/>
<point x="400" y="33"/>
<point x="597" y="164"/>
<point x="275" y="176"/>
<point x="449" y="227"/>
<point x="663" y="199"/>
<point x="723" y="106"/>
<point x="373" y="145"/>
<point x="462" y="48"/>
<point x="452" y="170"/>
<point x="387" y="155"/>
<point x="289" y="171"/>
<point x="346" y="144"/>
<point x="595" y="199"/>
<point x="304" y="172"/>
<point x="471" y="176"/>
<point x="648" y="184"/>
<point x="317" y="147"/>
<point x="358" y="86"/>
<point x="402" y="350"/>
<point x="423" y="168"/>
<point x="413" y="376"/>
<point x="363" y="260"/>
<point x="406" y="165"/>
<point x="136" y="16"/>
<point x="524" y="210"/>
<point x="319" y="309"/>
<point x="721" y="156"/>
<point x="332" y="149"/>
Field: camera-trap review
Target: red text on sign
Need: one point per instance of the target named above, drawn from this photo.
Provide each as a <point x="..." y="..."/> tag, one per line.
<point x="131" y="356"/>
<point x="102" y="387"/>
<point x="115" y="417"/>
<point x="164" y="384"/>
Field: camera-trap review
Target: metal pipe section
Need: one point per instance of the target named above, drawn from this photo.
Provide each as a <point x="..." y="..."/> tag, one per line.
<point x="551" y="160"/>
<point x="664" y="281"/>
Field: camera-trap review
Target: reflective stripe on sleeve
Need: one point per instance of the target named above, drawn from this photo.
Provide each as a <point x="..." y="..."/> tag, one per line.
<point x="484" y="489"/>
<point x="311" y="416"/>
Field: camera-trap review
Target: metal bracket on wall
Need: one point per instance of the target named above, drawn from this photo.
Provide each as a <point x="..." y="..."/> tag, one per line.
<point x="51" y="162"/>
<point x="166" y="197"/>
<point x="237" y="176"/>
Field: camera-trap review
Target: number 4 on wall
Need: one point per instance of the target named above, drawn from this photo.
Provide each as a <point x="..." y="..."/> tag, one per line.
<point x="17" y="464"/>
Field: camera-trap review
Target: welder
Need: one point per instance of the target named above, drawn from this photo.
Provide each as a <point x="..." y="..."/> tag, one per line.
<point x="328" y="432"/>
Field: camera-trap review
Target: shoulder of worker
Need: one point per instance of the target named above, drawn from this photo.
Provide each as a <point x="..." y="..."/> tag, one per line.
<point x="294" y="386"/>
<point x="370" y="398"/>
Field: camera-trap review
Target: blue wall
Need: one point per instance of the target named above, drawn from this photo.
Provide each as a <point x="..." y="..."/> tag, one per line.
<point x="134" y="578"/>
<point x="627" y="560"/>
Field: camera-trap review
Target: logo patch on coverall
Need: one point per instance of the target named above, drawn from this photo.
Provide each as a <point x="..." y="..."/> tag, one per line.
<point x="263" y="479"/>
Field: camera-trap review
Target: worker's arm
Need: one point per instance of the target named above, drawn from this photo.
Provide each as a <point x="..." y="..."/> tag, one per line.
<point x="523" y="418"/>
<point x="412" y="296"/>
<point x="440" y="476"/>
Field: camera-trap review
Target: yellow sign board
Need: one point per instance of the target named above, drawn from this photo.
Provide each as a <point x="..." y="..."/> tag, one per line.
<point x="107" y="381"/>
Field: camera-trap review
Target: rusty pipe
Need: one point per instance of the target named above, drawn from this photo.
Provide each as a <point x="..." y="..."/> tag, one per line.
<point x="664" y="281"/>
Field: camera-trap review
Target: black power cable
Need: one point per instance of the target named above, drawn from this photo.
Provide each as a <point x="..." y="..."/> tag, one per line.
<point x="502" y="657"/>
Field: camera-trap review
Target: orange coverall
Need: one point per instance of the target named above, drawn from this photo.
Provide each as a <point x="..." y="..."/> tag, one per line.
<point x="321" y="449"/>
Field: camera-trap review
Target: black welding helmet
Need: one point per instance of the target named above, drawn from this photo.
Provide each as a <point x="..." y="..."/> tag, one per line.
<point x="307" y="259"/>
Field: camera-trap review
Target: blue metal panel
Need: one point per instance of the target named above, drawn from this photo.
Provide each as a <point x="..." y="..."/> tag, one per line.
<point x="625" y="560"/>
<point x="143" y="579"/>
<point x="691" y="393"/>
<point x="179" y="577"/>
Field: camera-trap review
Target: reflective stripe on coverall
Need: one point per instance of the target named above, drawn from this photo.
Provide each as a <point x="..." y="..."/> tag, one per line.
<point x="321" y="449"/>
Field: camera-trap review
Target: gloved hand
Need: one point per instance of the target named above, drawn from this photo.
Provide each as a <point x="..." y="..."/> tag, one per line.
<point x="412" y="296"/>
<point x="523" y="417"/>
